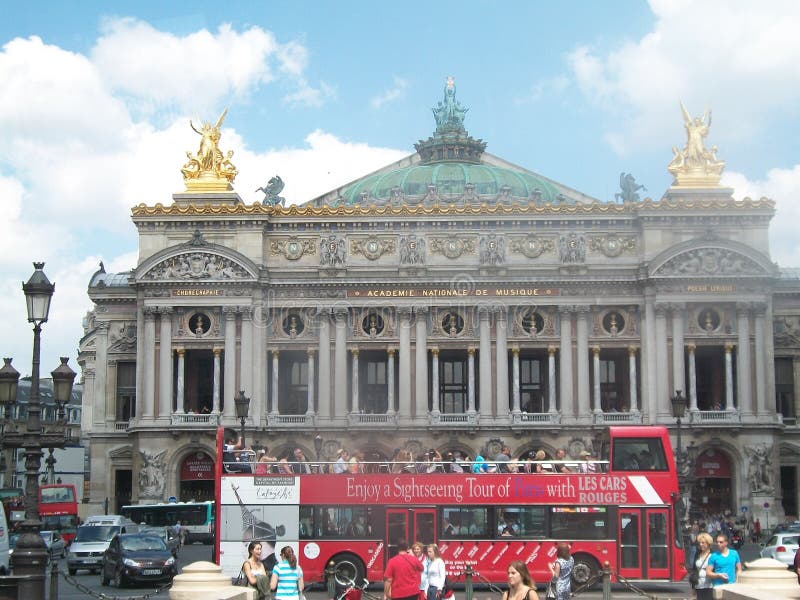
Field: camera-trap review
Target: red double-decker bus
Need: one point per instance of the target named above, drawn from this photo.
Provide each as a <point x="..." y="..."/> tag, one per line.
<point x="58" y="509"/>
<point x="626" y="512"/>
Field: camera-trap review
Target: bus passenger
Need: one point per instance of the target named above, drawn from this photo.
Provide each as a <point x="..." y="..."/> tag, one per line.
<point x="436" y="573"/>
<point x="520" y="582"/>
<point x="287" y="576"/>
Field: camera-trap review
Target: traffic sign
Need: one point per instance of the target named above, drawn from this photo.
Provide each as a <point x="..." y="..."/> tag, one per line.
<point x="766" y="504"/>
<point x="744" y="509"/>
<point x="172" y="500"/>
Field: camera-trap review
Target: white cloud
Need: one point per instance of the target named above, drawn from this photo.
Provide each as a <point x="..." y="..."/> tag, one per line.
<point x="545" y="87"/>
<point x="783" y="186"/>
<point x="706" y="53"/>
<point x="397" y="90"/>
<point x="305" y="95"/>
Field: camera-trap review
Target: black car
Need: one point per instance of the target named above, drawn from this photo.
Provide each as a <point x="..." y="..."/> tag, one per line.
<point x="137" y="558"/>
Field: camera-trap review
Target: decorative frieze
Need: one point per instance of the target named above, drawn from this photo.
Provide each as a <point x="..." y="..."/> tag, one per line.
<point x="453" y="247"/>
<point x="612" y="245"/>
<point x="373" y="247"/>
<point x="412" y="250"/>
<point x="709" y="261"/>
<point x="196" y="266"/>
<point x="293" y="248"/>
<point x="532" y="246"/>
<point x="572" y="248"/>
<point x="492" y="250"/>
<point x="332" y="251"/>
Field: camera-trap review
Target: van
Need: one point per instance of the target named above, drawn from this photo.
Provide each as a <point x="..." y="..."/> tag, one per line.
<point x="92" y="540"/>
<point x="4" y="548"/>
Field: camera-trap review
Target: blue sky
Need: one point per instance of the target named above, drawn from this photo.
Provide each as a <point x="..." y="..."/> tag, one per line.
<point x="97" y="96"/>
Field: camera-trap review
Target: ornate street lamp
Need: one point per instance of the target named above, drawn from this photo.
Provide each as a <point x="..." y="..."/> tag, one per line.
<point x="30" y="556"/>
<point x="242" y="405"/>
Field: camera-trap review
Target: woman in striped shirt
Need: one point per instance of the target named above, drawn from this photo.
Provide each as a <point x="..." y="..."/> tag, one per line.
<point x="287" y="576"/>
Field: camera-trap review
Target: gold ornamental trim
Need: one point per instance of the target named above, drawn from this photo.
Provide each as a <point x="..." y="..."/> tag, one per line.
<point x="257" y="209"/>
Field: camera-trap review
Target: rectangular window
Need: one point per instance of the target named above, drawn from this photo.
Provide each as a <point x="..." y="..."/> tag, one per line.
<point x="373" y="389"/>
<point x="293" y="383"/>
<point x="464" y="522"/>
<point x="126" y="391"/>
<point x="531" y="386"/>
<point x="638" y="454"/>
<point x="453" y="384"/>
<point x="784" y="388"/>
<point x="578" y="522"/>
<point x="354" y="522"/>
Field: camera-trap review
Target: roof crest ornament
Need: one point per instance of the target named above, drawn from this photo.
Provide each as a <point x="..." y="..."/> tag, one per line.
<point x="449" y="114"/>
<point x="695" y="165"/>
<point x="209" y="170"/>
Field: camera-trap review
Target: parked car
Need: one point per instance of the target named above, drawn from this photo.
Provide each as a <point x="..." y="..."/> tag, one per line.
<point x="782" y="547"/>
<point x="56" y="544"/>
<point x="168" y="534"/>
<point x="137" y="558"/>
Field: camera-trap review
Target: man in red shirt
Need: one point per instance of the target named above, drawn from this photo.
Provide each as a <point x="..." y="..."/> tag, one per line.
<point x="402" y="577"/>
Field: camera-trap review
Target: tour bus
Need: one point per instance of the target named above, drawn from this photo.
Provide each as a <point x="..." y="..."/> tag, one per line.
<point x="58" y="509"/>
<point x="197" y="518"/>
<point x="627" y="513"/>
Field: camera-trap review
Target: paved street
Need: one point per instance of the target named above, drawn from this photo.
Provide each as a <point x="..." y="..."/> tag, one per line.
<point x="196" y="552"/>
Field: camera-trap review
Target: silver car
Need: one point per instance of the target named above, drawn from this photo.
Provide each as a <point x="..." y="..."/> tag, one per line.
<point x="55" y="544"/>
<point x="782" y="547"/>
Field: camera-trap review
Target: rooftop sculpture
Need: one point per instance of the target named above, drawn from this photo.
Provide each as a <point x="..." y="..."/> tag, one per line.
<point x="209" y="169"/>
<point x="695" y="165"/>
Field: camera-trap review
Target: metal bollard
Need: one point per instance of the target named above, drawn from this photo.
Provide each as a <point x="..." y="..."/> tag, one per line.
<point x="468" y="591"/>
<point x="53" y="579"/>
<point x="606" y="581"/>
<point x="330" y="580"/>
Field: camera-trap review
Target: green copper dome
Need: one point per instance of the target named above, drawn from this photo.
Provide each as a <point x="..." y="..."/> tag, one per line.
<point x="450" y="181"/>
<point x="449" y="167"/>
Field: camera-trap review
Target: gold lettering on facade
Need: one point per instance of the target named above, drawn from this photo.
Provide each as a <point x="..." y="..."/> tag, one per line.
<point x="448" y="292"/>
<point x="719" y="289"/>
<point x="197" y="292"/>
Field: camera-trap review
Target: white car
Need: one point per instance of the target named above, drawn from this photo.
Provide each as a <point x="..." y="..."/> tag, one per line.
<point x="55" y="543"/>
<point x="782" y="547"/>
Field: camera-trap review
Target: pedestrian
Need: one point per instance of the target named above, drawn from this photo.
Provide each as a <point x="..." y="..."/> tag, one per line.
<point x="704" y="586"/>
<point x="418" y="550"/>
<point x="520" y="582"/>
<point x="287" y="576"/>
<point x="724" y="566"/>
<point x="436" y="573"/>
<point x="561" y="571"/>
<point x="402" y="576"/>
<point x="255" y="571"/>
<point x="796" y="564"/>
<point x="178" y="529"/>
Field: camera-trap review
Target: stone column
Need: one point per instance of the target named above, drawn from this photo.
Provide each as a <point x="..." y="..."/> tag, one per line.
<point x="421" y="356"/>
<point x="165" y="363"/>
<point x="678" y="368"/>
<point x="390" y="352"/>
<point x="324" y="380"/>
<point x="650" y="364"/>
<point x="311" y="393"/>
<point x="584" y="409"/>
<point x="404" y="363"/>
<point x="180" y="387"/>
<point x="276" y="370"/>
<point x="761" y="362"/>
<point x="140" y="363"/>
<point x="515" y="392"/>
<point x="471" y="380"/>
<point x="728" y="377"/>
<point x="485" y="364"/>
<point x="692" y="378"/>
<point x="148" y="379"/>
<point x="229" y="365"/>
<point x="258" y="399"/>
<point x="551" y="380"/>
<point x="662" y="376"/>
<point x="216" y="392"/>
<point x="355" y="407"/>
<point x="632" y="378"/>
<point x="501" y="362"/>
<point x="596" y="371"/>
<point x="340" y="365"/>
<point x="435" y="381"/>
<point x="101" y="412"/>
<point x="565" y="362"/>
<point x="744" y="371"/>
<point x="246" y="353"/>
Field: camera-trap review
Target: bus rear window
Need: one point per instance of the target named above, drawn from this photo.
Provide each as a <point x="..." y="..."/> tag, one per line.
<point x="638" y="454"/>
<point x="579" y="522"/>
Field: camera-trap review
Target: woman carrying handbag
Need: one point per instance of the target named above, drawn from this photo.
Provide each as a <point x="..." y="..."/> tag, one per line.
<point x="561" y="570"/>
<point x="703" y="587"/>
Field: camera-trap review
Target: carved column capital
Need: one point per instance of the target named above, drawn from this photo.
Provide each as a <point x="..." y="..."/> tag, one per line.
<point x="165" y="310"/>
<point x="596" y="350"/>
<point x="229" y="312"/>
<point x="311" y="352"/>
<point x="217" y="351"/>
<point x="515" y="351"/>
<point x="471" y="351"/>
<point x="354" y="352"/>
<point x="728" y="347"/>
<point x="180" y="352"/>
<point x="551" y="350"/>
<point x="691" y="348"/>
<point x="434" y="350"/>
<point x="390" y="351"/>
<point x="632" y="350"/>
<point x="150" y="312"/>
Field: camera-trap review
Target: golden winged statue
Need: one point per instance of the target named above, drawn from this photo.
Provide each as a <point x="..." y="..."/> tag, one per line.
<point x="209" y="169"/>
<point x="696" y="165"/>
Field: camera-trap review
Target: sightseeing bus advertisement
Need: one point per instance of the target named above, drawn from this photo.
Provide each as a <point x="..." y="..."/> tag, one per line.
<point x="273" y="526"/>
<point x="496" y="488"/>
<point x="277" y="489"/>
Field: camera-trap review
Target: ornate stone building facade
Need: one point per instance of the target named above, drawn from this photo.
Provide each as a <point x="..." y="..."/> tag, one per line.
<point x="454" y="301"/>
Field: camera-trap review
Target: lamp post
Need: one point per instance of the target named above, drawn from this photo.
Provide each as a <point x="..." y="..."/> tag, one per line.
<point x="242" y="405"/>
<point x="318" y="450"/>
<point x="684" y="463"/>
<point x="30" y="555"/>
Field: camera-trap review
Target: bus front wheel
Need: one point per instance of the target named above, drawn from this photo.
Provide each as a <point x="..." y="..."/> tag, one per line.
<point x="585" y="569"/>
<point x="348" y="570"/>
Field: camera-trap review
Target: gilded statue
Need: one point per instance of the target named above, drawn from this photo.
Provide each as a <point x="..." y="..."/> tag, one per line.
<point x="696" y="164"/>
<point x="209" y="168"/>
